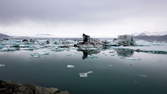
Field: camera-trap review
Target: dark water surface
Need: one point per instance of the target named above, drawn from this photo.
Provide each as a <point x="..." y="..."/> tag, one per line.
<point x="112" y="71"/>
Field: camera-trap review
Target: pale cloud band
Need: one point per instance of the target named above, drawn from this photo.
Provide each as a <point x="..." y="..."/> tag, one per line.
<point x="71" y="18"/>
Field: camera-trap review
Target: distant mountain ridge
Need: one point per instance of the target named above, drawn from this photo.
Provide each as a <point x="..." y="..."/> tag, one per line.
<point x="3" y="36"/>
<point x="152" y="37"/>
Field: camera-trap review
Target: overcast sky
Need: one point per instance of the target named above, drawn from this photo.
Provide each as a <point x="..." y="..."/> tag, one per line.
<point x="71" y="18"/>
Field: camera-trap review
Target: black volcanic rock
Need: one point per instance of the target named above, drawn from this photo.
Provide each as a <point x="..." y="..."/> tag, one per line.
<point x="17" y="88"/>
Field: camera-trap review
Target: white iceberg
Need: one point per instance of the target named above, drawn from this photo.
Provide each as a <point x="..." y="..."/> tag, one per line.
<point x="83" y="75"/>
<point x="71" y="66"/>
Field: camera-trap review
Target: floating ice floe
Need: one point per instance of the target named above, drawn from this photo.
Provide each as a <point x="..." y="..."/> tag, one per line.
<point x="83" y="75"/>
<point x="35" y="55"/>
<point x="2" y="65"/>
<point x="8" y="49"/>
<point x="39" y="54"/>
<point x="133" y="58"/>
<point x="44" y="53"/>
<point x="27" y="47"/>
<point x="71" y="66"/>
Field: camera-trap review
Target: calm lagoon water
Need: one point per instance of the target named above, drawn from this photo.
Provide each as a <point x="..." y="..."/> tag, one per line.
<point x="110" y="71"/>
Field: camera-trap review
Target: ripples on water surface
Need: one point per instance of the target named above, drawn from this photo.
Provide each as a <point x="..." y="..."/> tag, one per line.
<point x="114" y="70"/>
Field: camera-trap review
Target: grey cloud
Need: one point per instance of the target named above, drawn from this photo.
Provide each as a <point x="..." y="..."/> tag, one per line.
<point x="79" y="10"/>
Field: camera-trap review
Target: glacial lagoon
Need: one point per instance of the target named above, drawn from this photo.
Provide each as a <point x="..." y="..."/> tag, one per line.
<point x="112" y="70"/>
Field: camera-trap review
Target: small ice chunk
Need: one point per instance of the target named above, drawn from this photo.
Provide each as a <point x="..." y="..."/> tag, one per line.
<point x="39" y="54"/>
<point x="130" y="58"/>
<point x="83" y="75"/>
<point x="35" y="55"/>
<point x="89" y="72"/>
<point x="44" y="53"/>
<point x="70" y="66"/>
<point x="2" y="65"/>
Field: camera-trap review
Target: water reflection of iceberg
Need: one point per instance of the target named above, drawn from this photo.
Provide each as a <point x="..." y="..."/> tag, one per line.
<point x="124" y="52"/>
<point x="89" y="52"/>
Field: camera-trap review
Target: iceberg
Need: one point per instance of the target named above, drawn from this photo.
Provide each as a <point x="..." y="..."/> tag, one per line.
<point x="70" y="66"/>
<point x="89" y="43"/>
<point x="8" y="49"/>
<point x="83" y="75"/>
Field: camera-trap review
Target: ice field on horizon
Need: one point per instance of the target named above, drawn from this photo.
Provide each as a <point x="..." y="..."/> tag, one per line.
<point x="61" y="45"/>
